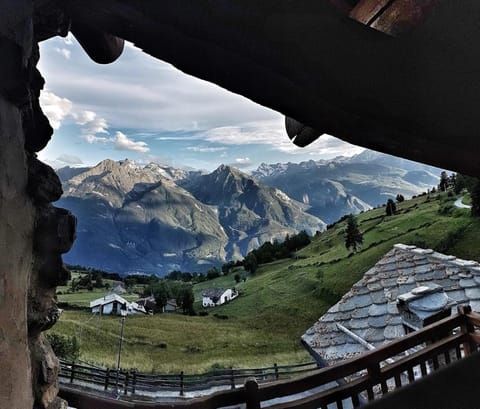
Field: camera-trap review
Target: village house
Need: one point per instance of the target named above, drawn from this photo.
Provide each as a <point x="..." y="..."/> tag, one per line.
<point x="406" y="290"/>
<point x="112" y="304"/>
<point x="171" y="305"/>
<point x="212" y="297"/>
<point x="148" y="303"/>
<point x="118" y="288"/>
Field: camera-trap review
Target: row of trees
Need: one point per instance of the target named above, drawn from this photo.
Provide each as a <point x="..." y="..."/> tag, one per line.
<point x="88" y="281"/>
<point x="164" y="290"/>
<point x="277" y="250"/>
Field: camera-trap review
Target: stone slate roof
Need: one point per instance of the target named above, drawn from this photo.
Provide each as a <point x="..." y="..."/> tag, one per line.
<point x="369" y="309"/>
<point x="213" y="292"/>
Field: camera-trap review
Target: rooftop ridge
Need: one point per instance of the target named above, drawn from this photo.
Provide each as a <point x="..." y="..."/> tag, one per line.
<point x="433" y="255"/>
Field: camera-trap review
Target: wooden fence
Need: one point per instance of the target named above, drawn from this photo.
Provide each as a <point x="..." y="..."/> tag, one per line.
<point x="133" y="382"/>
<point x="352" y="382"/>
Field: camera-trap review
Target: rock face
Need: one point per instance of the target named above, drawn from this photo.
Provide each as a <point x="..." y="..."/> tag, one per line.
<point x="251" y="212"/>
<point x="135" y="219"/>
<point x="16" y="244"/>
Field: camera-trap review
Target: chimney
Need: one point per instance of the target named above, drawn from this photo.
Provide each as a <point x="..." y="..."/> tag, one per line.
<point x="423" y="306"/>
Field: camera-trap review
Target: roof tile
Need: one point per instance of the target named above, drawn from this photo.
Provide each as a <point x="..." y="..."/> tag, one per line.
<point x="360" y="312"/>
<point x="473" y="293"/>
<point x="468" y="283"/>
<point x="394" y="331"/>
<point x="377" y="310"/>
<point x="378" y="297"/>
<point x="392" y="308"/>
<point x="360" y="323"/>
<point x="377" y="322"/>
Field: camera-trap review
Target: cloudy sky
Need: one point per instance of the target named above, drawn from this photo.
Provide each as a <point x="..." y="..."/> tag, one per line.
<point x="146" y="110"/>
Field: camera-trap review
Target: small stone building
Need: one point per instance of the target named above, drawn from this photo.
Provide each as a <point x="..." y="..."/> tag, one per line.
<point x="212" y="297"/>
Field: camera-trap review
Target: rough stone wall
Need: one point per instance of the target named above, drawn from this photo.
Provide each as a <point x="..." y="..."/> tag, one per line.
<point x="16" y="245"/>
<point x="33" y="233"/>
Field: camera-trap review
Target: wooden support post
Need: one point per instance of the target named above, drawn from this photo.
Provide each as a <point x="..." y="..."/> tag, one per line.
<point x="232" y="378"/>
<point x="276" y="370"/>
<point x="72" y="372"/>
<point x="467" y="328"/>
<point x="107" y="379"/>
<point x="182" y="386"/>
<point x="374" y="375"/>
<point x="125" y="386"/>
<point x="251" y="394"/>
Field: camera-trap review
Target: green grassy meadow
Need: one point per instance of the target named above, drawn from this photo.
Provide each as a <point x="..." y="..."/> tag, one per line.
<point x="279" y="302"/>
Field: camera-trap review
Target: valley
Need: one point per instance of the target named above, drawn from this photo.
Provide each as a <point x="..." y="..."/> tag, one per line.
<point x="277" y="303"/>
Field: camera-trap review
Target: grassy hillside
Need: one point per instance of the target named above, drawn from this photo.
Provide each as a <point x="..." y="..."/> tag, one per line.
<point x="276" y="305"/>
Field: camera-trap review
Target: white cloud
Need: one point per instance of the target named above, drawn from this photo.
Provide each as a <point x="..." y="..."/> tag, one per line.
<point x="175" y="138"/>
<point x="84" y="117"/>
<point x="55" y="108"/>
<point x="206" y="149"/>
<point x="243" y="161"/>
<point x="63" y="51"/>
<point x="69" y="159"/>
<point x="91" y="122"/>
<point x="123" y="143"/>
<point x="273" y="133"/>
<point x="95" y="139"/>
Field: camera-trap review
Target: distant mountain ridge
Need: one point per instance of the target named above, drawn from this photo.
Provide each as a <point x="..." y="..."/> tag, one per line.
<point x="155" y="219"/>
<point x="342" y="185"/>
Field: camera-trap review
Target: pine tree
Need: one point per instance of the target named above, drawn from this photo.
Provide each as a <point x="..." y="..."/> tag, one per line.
<point x="475" y="195"/>
<point x="353" y="237"/>
<point x="250" y="263"/>
<point x="391" y="208"/>
<point x="443" y="182"/>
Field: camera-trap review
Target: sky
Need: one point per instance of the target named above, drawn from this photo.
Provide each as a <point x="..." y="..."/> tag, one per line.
<point x="146" y="110"/>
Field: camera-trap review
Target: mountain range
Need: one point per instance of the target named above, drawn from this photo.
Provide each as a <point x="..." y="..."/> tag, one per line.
<point x="156" y="218"/>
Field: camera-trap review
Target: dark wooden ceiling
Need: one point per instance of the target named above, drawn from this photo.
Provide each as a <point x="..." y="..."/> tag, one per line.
<point x="415" y="95"/>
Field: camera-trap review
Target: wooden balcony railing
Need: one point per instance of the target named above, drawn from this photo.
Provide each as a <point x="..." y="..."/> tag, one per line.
<point x="350" y="383"/>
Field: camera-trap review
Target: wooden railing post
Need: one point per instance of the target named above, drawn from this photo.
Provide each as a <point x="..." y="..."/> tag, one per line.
<point x="276" y="370"/>
<point x="134" y="381"/>
<point x="107" y="379"/>
<point x="72" y="372"/>
<point x="182" y="386"/>
<point x="232" y="378"/>
<point x="125" y="386"/>
<point x="467" y="328"/>
<point x="252" y="399"/>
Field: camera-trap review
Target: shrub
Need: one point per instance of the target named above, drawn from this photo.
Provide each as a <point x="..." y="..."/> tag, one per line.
<point x="446" y="210"/>
<point x="65" y="347"/>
